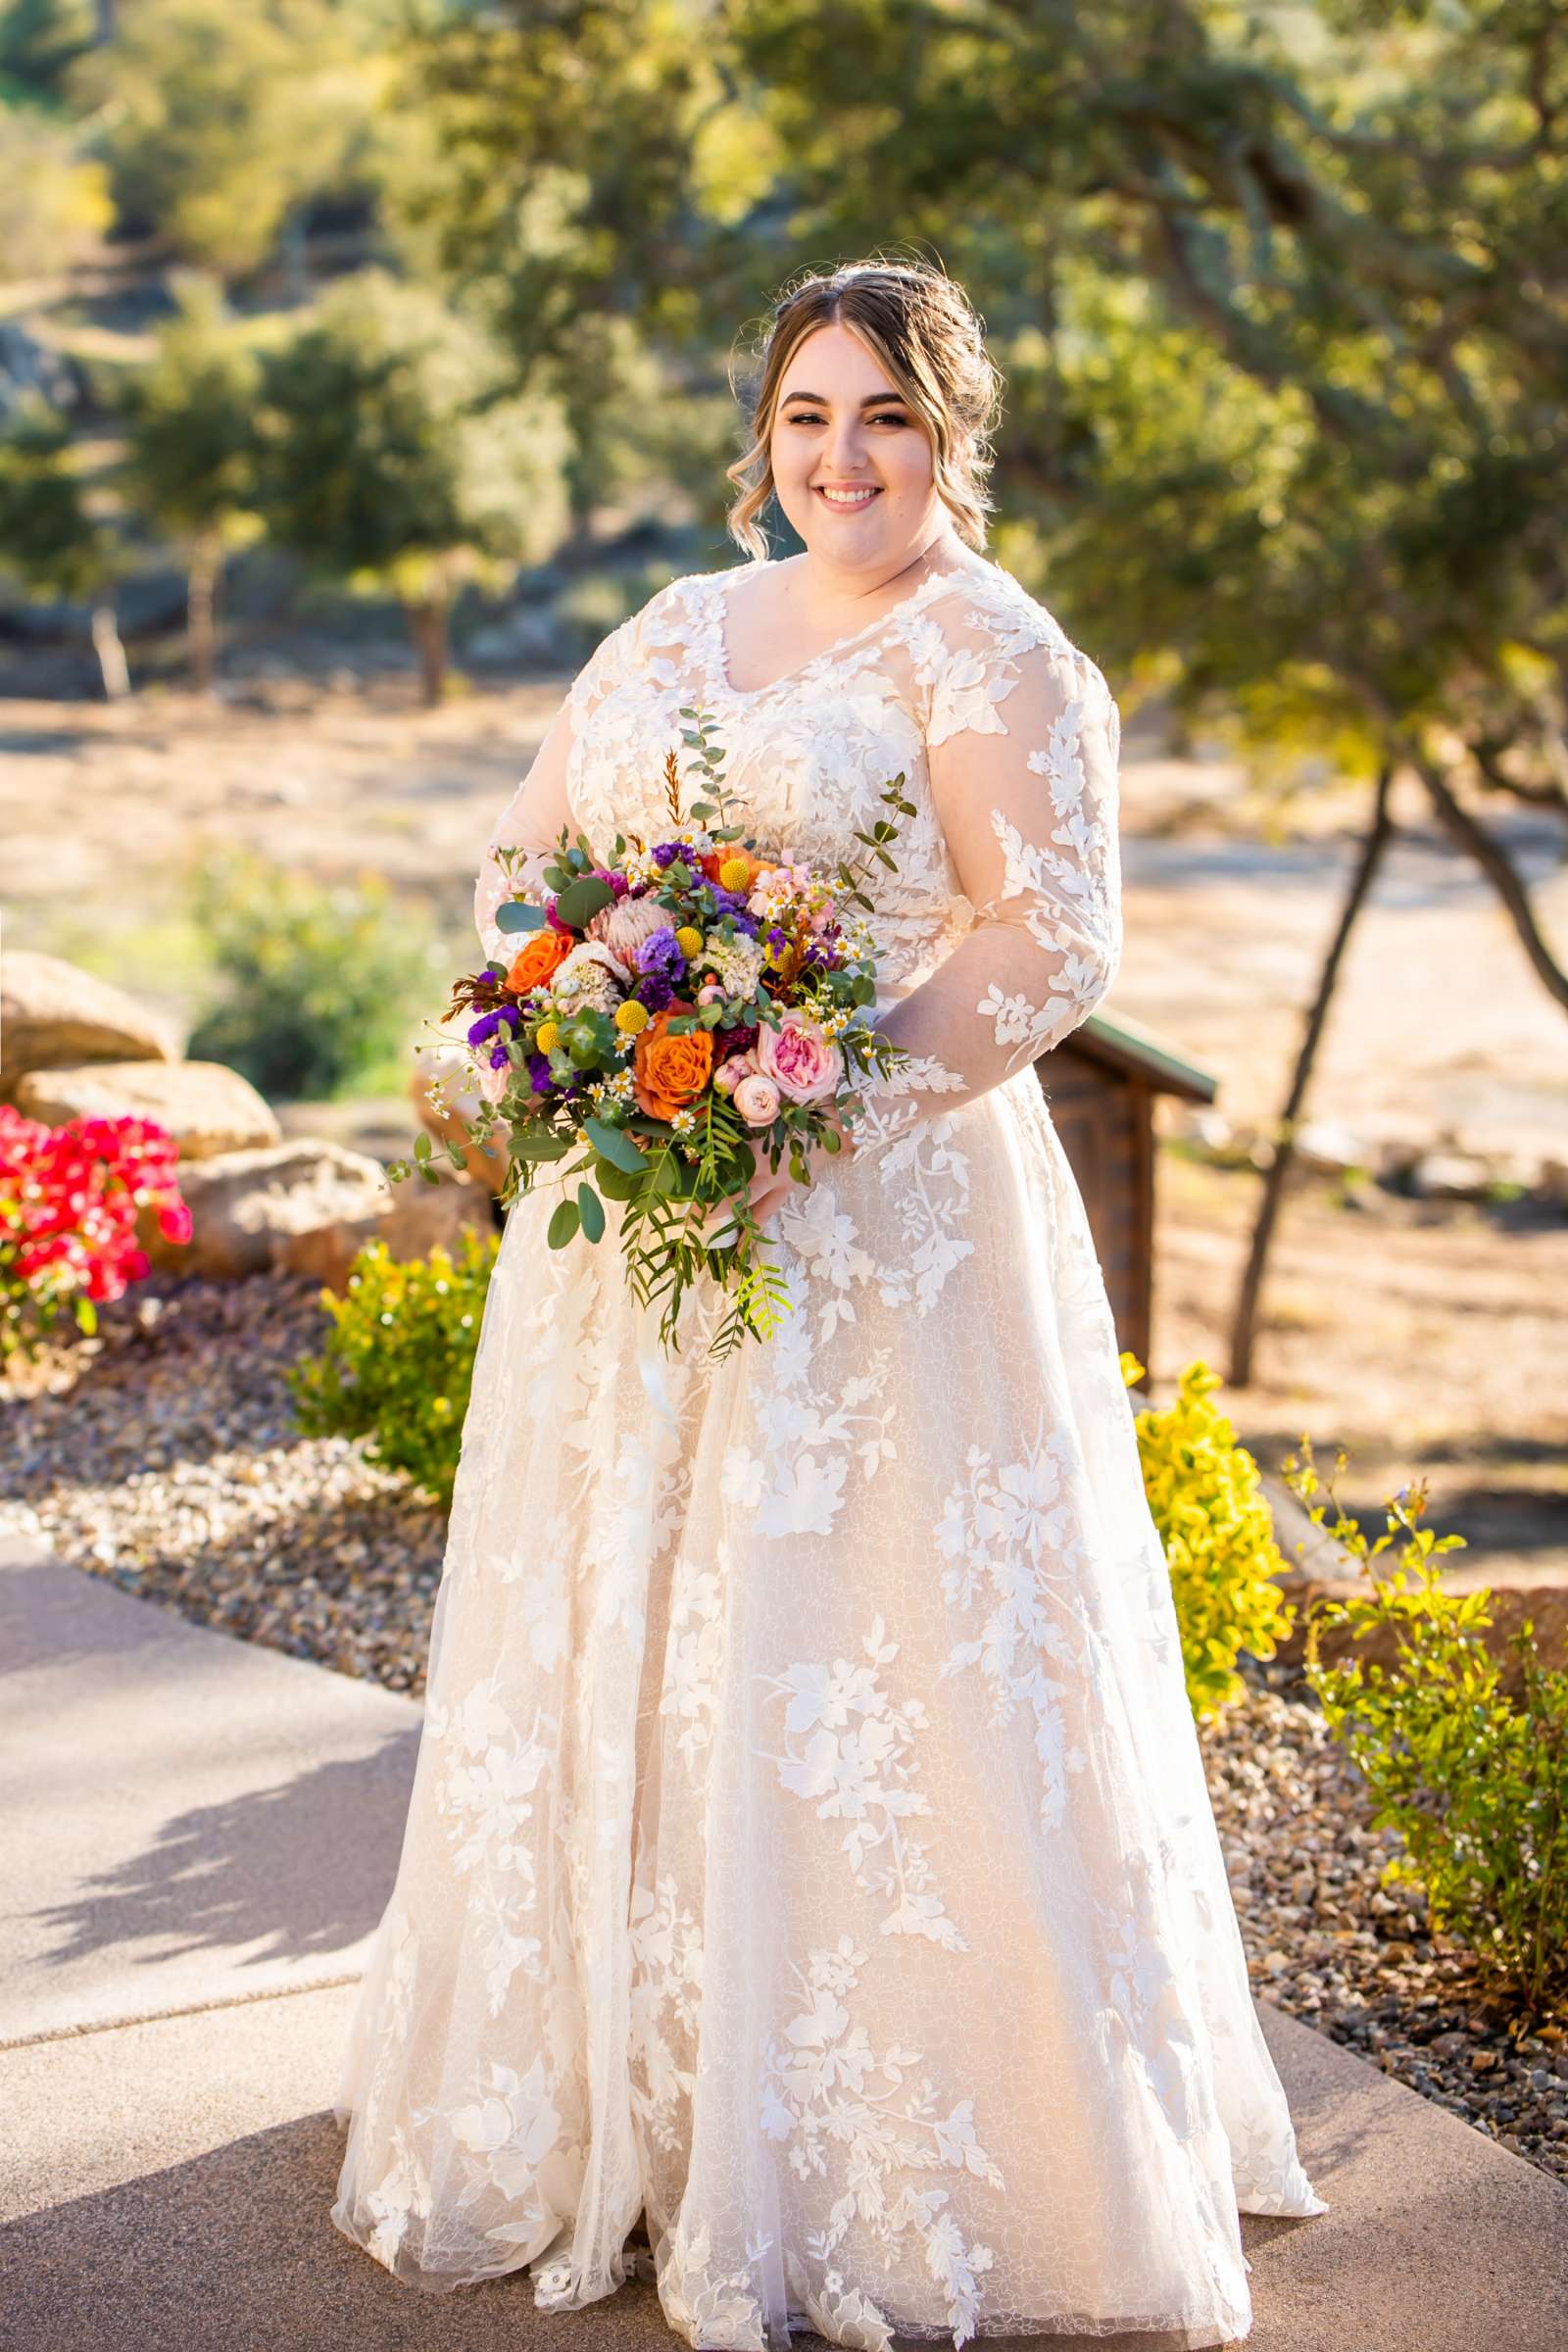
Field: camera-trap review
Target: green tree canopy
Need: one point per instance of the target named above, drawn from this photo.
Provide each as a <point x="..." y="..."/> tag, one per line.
<point x="218" y="123"/>
<point x="190" y="420"/>
<point x="394" y="453"/>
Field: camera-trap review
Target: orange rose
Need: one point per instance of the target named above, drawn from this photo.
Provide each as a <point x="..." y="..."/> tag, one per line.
<point x="668" y="1073"/>
<point x="538" y="959"/>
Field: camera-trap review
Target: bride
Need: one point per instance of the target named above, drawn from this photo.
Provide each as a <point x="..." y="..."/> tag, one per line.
<point x="809" y="1854"/>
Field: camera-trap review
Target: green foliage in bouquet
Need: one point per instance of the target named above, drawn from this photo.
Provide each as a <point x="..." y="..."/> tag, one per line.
<point x="563" y="1070"/>
<point x="1474" y="1780"/>
<point x="1218" y="1532"/>
<point x="398" y="1362"/>
<point x="319" y="983"/>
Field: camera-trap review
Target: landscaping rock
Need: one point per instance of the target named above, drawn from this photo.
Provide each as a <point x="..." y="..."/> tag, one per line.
<point x="1324" y="1148"/>
<point x="207" y="1107"/>
<point x="1452" y="1176"/>
<point x="418" y="1218"/>
<point x="52" y="1015"/>
<point x="245" y="1205"/>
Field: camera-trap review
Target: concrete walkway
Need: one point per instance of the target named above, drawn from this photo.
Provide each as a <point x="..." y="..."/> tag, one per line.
<point x="199" y="1837"/>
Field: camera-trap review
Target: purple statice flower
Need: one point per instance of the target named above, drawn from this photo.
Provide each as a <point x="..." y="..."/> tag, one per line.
<point x="658" y="954"/>
<point x="665" y="852"/>
<point x="499" y="1057"/>
<point x="655" y="991"/>
<point x="775" y="937"/>
<point x="484" y="1028"/>
<point x="539" y="1073"/>
<point x="733" y="903"/>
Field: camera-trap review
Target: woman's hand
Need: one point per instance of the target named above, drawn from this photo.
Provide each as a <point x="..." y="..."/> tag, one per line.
<point x="770" y="1187"/>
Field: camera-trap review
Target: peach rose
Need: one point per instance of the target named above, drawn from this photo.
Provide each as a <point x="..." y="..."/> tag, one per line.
<point x="757" y="1098"/>
<point x="728" y="1075"/>
<point x="668" y="1073"/>
<point x="802" y="1063"/>
<point x="538" y="959"/>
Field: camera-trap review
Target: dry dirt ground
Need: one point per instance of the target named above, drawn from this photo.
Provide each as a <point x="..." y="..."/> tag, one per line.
<point x="1427" y="1340"/>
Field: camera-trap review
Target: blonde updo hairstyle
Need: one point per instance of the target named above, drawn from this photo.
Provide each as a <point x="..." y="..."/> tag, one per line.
<point x="928" y="336"/>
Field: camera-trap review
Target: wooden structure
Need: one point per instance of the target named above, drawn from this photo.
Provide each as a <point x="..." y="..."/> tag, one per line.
<point x="1101" y="1084"/>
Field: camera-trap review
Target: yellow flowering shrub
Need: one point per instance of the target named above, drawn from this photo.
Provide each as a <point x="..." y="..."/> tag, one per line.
<point x="1473" y="1778"/>
<point x="398" y="1361"/>
<point x="1206" y="1501"/>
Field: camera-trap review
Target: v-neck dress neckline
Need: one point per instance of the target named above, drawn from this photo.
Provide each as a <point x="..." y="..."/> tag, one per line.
<point x="720" y="584"/>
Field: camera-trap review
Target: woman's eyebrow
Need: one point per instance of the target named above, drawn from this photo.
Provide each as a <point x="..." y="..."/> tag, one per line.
<point x="872" y="400"/>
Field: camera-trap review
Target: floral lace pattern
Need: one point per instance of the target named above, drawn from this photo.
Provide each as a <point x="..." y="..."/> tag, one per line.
<point x="809" y="1847"/>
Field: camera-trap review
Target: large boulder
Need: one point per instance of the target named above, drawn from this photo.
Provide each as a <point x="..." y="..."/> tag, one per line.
<point x="53" y="1016"/>
<point x="418" y="1218"/>
<point x="206" y="1107"/>
<point x="245" y="1206"/>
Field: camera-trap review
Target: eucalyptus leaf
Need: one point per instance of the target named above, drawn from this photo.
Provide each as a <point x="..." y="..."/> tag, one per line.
<point x="562" y="1225"/>
<point x="590" y="1212"/>
<point x="618" y="1184"/>
<point x="615" y="1146"/>
<point x="582" y="900"/>
<point x="520" y="915"/>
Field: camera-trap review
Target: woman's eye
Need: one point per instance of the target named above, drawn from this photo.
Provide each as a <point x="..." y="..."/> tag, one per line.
<point x="814" y="417"/>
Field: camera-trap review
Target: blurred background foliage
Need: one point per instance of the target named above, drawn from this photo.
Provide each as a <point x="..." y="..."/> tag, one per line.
<point x="435" y="297"/>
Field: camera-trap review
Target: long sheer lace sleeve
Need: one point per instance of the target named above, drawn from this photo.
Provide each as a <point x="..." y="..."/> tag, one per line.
<point x="1023" y="742"/>
<point x="532" y="818"/>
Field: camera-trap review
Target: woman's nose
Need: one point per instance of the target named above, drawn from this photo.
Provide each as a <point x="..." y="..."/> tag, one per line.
<point x="846" y="448"/>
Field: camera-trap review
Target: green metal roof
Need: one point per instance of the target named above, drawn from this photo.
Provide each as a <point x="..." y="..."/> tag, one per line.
<point x="1124" y="1045"/>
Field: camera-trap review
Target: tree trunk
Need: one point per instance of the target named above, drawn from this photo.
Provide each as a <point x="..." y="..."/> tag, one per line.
<point x="105" y="644"/>
<point x="201" y="628"/>
<point x="1244" y="1325"/>
<point x="427" y="626"/>
<point x="1494" y="862"/>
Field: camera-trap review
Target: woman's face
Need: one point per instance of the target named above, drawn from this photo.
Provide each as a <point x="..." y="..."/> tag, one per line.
<point x="840" y="426"/>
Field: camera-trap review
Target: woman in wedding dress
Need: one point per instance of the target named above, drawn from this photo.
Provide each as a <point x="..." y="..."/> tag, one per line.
<point x="809" y="1849"/>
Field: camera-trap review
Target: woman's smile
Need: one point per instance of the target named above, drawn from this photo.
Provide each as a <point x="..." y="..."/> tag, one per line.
<point x="848" y="501"/>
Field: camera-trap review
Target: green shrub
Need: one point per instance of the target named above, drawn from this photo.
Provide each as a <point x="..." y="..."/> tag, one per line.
<point x="398" y="1362"/>
<point x="1474" y="1780"/>
<point x="322" y="984"/>
<point x="1218" y="1532"/>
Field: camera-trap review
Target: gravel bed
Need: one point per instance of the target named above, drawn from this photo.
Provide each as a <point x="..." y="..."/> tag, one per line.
<point x="1327" y="1942"/>
<point x="163" y="1456"/>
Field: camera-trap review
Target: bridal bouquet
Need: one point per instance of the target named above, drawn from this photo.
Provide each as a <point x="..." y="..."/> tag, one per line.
<point x="676" y="1012"/>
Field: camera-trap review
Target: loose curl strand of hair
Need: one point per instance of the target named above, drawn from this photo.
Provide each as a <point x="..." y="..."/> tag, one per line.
<point x="923" y="328"/>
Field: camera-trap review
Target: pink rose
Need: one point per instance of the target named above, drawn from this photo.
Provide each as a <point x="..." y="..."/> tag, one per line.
<point x="728" y="1075"/>
<point x="756" y="1100"/>
<point x="710" y="992"/>
<point x="803" y="1063"/>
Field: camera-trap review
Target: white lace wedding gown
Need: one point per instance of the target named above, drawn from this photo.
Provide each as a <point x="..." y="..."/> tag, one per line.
<point x="810" y="1844"/>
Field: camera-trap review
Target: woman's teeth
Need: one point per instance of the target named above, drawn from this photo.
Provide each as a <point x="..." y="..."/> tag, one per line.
<point x="848" y="498"/>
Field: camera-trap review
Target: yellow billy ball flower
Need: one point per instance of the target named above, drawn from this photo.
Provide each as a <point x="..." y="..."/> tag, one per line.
<point x="548" y="1037"/>
<point x="631" y="1017"/>
<point x="734" y="875"/>
<point x="689" y="940"/>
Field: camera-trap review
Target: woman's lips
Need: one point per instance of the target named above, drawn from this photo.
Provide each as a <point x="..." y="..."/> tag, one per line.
<point x="848" y="506"/>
